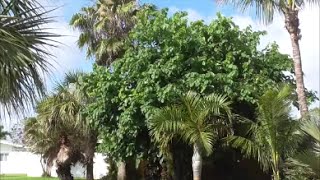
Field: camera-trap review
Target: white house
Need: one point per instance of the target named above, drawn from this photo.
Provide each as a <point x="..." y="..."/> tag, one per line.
<point x="15" y="159"/>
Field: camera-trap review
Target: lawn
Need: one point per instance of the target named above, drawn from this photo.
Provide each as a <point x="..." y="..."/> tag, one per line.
<point x="24" y="177"/>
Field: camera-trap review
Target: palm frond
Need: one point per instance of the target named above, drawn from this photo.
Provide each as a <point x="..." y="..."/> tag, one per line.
<point x="264" y="9"/>
<point x="295" y="170"/>
<point x="167" y="120"/>
<point x="250" y="149"/>
<point x="190" y="121"/>
<point x="312" y="129"/>
<point x="104" y="27"/>
<point x="274" y="136"/>
<point x="20" y="8"/>
<point x="24" y="54"/>
<point x="310" y="158"/>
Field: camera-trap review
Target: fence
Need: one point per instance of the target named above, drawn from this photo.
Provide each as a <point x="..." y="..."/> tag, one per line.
<point x="29" y="164"/>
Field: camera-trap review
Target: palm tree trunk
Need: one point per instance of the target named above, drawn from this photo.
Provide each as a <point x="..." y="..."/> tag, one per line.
<point x="63" y="159"/>
<point x="276" y="175"/>
<point x="89" y="175"/>
<point x="196" y="162"/>
<point x="48" y="169"/>
<point x="292" y="26"/>
<point x="91" y="148"/>
<point x="42" y="165"/>
<point x="64" y="172"/>
<point x="275" y="169"/>
<point x="121" y="171"/>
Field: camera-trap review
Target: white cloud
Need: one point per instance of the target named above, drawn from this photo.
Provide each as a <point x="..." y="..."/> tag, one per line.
<point x="67" y="56"/>
<point x="193" y="15"/>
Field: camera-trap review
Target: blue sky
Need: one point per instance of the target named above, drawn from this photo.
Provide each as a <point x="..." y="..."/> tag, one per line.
<point x="69" y="57"/>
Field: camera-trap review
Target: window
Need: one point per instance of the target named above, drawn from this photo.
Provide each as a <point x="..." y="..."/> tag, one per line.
<point x="3" y="157"/>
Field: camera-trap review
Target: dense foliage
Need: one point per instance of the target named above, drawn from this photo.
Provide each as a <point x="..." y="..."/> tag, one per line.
<point x="198" y="121"/>
<point x="273" y="138"/>
<point x="166" y="56"/>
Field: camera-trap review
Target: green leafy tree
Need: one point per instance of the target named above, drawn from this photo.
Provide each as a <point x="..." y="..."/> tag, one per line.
<point x="23" y="46"/>
<point x="3" y="134"/>
<point x="197" y="120"/>
<point x="167" y="56"/>
<point x="266" y="10"/>
<point x="273" y="137"/>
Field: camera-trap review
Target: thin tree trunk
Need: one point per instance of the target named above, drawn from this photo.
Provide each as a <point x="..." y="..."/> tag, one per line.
<point x="64" y="172"/>
<point x="276" y="175"/>
<point x="42" y="165"/>
<point x="121" y="171"/>
<point x="275" y="169"/>
<point x="142" y="169"/>
<point x="48" y="169"/>
<point x="196" y="163"/>
<point x="292" y="26"/>
<point x="89" y="175"/>
<point x="91" y="148"/>
<point x="63" y="160"/>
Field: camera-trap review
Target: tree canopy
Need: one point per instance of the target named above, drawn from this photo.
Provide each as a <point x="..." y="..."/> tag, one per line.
<point x="166" y="56"/>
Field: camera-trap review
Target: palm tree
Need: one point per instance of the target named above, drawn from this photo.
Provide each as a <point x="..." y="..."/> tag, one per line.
<point x="197" y="120"/>
<point x="273" y="137"/>
<point x="42" y="142"/>
<point x="265" y="9"/>
<point x="23" y="58"/>
<point x="311" y="157"/>
<point x="3" y="134"/>
<point x="62" y="111"/>
<point x="104" y="27"/>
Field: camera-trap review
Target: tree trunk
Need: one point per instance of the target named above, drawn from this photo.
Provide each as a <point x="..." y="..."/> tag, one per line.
<point x="91" y="148"/>
<point x="196" y="163"/>
<point x="89" y="175"/>
<point x="276" y="175"/>
<point x="48" y="169"/>
<point x="64" y="159"/>
<point x="292" y="26"/>
<point x="64" y="172"/>
<point x="121" y="171"/>
<point x="275" y="168"/>
<point x="42" y="165"/>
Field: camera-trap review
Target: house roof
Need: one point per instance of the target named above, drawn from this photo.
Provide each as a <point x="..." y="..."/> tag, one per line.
<point x="10" y="143"/>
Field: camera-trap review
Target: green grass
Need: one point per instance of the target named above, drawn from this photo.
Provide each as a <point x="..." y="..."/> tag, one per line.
<point x="24" y="177"/>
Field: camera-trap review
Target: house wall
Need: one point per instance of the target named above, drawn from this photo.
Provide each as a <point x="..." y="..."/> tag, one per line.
<point x="29" y="163"/>
<point x="4" y="148"/>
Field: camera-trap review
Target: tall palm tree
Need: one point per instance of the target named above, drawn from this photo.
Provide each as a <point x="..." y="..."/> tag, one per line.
<point x="273" y="137"/>
<point x="197" y="120"/>
<point x="266" y="9"/>
<point x="23" y="58"/>
<point x="104" y="27"/>
<point x="3" y="134"/>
